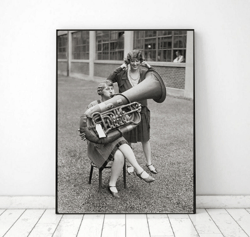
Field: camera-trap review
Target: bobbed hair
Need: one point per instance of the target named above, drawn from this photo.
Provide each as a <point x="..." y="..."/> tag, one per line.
<point x="102" y="85"/>
<point x="134" y="54"/>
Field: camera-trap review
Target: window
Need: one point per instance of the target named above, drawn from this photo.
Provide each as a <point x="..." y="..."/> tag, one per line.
<point x="80" y="45"/>
<point x="62" y="46"/>
<point x="110" y="45"/>
<point x="160" y="46"/>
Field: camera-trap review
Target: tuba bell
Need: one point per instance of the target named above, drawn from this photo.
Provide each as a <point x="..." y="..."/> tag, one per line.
<point x="107" y="121"/>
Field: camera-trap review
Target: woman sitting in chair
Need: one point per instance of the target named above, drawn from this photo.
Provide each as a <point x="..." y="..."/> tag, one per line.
<point x="115" y="151"/>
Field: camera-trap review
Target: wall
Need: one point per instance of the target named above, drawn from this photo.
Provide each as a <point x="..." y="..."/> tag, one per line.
<point x="28" y="87"/>
<point x="62" y="67"/>
<point x="172" y="76"/>
<point x="80" y="67"/>
<point x="104" y="70"/>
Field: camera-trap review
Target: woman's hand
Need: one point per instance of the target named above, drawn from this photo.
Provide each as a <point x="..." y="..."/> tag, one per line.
<point x="124" y="65"/>
<point x="144" y="63"/>
<point x="82" y="135"/>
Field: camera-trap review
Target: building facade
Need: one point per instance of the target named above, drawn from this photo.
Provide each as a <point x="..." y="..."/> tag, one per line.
<point x="95" y="54"/>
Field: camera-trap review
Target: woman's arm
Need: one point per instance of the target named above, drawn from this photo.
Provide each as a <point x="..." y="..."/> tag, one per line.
<point x="145" y="64"/>
<point x="114" y="75"/>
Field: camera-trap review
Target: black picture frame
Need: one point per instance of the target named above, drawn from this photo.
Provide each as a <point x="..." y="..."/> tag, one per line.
<point x="174" y="189"/>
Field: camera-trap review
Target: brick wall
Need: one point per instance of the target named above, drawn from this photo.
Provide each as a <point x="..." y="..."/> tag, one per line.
<point x="172" y="76"/>
<point x="80" y="67"/>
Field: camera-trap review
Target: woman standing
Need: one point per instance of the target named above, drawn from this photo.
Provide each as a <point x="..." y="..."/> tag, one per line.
<point x="128" y="75"/>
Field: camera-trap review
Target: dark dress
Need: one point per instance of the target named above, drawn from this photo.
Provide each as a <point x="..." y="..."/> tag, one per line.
<point x="141" y="133"/>
<point x="101" y="154"/>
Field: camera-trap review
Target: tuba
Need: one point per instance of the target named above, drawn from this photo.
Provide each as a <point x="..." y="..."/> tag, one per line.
<point x="107" y="121"/>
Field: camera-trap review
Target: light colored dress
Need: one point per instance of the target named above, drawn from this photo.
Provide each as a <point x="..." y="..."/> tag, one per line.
<point x="101" y="154"/>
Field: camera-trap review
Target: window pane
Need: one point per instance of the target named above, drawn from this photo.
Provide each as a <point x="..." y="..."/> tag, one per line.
<point x="106" y="47"/>
<point x="99" y="56"/>
<point x="150" y="33"/>
<point x="99" y="36"/>
<point x="150" y="43"/>
<point x="105" y="36"/>
<point x="150" y="55"/>
<point x="80" y="44"/>
<point x="120" y="45"/>
<point x="62" y="46"/>
<point x="99" y="47"/>
<point x="139" y="34"/>
<point x="164" y="55"/>
<point x="109" y="43"/>
<point x="160" y="33"/>
<point x="165" y="43"/>
<point x="120" y="55"/>
<point x="113" y="35"/>
<point x="105" y="55"/>
<point x="138" y="44"/>
<point x="136" y="34"/>
<point x="113" y="46"/>
<point x="180" y="42"/>
<point x="179" y="32"/>
<point x="184" y="40"/>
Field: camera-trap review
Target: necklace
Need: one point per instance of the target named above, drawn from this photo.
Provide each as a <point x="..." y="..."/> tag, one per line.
<point x="134" y="79"/>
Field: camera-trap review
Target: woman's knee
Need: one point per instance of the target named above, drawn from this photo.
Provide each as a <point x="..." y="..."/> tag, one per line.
<point x="119" y="157"/>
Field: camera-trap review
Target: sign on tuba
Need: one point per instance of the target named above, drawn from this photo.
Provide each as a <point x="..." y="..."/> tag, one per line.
<point x="107" y="121"/>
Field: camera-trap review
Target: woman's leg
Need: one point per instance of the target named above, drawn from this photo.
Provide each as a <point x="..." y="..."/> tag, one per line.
<point x="147" y="151"/>
<point x="116" y="169"/>
<point x="129" y="155"/>
<point x="130" y="168"/>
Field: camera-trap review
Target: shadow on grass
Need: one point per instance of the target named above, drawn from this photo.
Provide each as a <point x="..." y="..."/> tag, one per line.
<point x="172" y="152"/>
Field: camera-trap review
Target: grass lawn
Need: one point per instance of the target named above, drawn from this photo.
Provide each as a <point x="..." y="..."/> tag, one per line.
<point x="172" y="152"/>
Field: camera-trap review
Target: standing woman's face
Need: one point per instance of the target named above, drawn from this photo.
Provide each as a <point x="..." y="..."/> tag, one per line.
<point x="134" y="63"/>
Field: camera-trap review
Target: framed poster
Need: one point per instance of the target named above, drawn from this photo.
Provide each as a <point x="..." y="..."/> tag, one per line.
<point x="125" y="121"/>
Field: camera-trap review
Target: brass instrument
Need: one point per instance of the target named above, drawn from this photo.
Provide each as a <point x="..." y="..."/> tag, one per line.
<point x="121" y="113"/>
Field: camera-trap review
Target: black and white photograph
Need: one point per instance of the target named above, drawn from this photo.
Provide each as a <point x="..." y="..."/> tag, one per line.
<point x="125" y="121"/>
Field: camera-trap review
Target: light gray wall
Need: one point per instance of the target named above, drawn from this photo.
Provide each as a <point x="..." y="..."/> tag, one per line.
<point x="28" y="87"/>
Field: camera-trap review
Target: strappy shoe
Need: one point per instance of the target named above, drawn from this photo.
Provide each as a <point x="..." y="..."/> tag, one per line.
<point x="152" y="169"/>
<point x="114" y="194"/>
<point x="149" y="179"/>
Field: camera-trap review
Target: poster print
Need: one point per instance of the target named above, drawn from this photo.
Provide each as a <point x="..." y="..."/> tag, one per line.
<point x="125" y="121"/>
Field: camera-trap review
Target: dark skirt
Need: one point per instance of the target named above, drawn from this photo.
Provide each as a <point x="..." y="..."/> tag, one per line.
<point x="140" y="133"/>
<point x="101" y="154"/>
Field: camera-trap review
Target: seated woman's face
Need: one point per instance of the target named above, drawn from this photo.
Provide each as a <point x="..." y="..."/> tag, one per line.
<point x="108" y="91"/>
